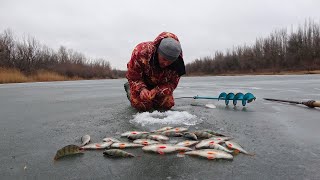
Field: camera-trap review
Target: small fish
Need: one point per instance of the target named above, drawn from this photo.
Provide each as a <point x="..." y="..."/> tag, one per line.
<point x="67" y="150"/>
<point x="236" y="146"/>
<point x="148" y="136"/>
<point x="207" y="142"/>
<point x="123" y="145"/>
<point x="158" y="137"/>
<point x="117" y="153"/>
<point x="214" y="133"/>
<point x="187" y="143"/>
<point x="210" y="154"/>
<point x="177" y="130"/>
<point x="190" y="135"/>
<point x="165" y="148"/>
<point x="215" y="146"/>
<point x="219" y="147"/>
<point x="97" y="146"/>
<point x="171" y="133"/>
<point x="203" y="134"/>
<point x="126" y="134"/>
<point x="145" y="142"/>
<point x="110" y="139"/>
<point x="221" y="138"/>
<point x="85" y="140"/>
<point x="163" y="129"/>
<point x="138" y="136"/>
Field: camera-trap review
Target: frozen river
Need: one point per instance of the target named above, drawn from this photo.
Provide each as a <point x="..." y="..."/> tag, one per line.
<point x="36" y="119"/>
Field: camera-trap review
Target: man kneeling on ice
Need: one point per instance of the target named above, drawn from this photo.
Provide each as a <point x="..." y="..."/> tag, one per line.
<point x="154" y="71"/>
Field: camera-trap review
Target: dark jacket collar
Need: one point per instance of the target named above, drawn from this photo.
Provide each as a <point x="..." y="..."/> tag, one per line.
<point x="177" y="66"/>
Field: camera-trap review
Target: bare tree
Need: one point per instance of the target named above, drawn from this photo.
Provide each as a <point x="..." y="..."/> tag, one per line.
<point x="299" y="50"/>
<point x="29" y="56"/>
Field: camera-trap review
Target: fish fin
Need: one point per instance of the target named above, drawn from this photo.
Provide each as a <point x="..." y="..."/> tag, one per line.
<point x="210" y="157"/>
<point x="81" y="150"/>
<point x="235" y="152"/>
<point x="251" y="154"/>
<point x="131" y="155"/>
<point x="145" y="143"/>
<point x="161" y="152"/>
<point x="98" y="145"/>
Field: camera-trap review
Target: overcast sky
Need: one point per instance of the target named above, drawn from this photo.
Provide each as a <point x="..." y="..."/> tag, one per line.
<point x="111" y="29"/>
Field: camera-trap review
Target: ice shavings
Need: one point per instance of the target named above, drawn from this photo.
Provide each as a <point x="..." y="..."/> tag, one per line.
<point x="168" y="117"/>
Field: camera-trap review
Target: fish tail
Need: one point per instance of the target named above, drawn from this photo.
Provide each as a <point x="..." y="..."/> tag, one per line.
<point x="250" y="154"/>
<point x="235" y="152"/>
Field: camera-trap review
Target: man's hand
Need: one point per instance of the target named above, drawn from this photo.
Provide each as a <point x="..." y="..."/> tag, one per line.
<point x="145" y="94"/>
<point x="153" y="93"/>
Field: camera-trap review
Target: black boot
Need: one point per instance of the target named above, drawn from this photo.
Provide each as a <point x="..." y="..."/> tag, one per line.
<point x="127" y="89"/>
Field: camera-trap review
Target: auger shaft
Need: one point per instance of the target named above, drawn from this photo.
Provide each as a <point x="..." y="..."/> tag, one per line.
<point x="201" y="97"/>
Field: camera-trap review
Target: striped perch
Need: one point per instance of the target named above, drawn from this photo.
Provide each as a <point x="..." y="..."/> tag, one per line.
<point x="67" y="150"/>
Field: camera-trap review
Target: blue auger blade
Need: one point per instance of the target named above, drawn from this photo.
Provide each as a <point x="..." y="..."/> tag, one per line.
<point x="238" y="96"/>
<point x="230" y="96"/>
<point x="249" y="97"/>
<point x="244" y="102"/>
<point x="223" y="95"/>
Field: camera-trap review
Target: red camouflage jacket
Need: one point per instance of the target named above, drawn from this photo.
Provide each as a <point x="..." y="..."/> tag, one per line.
<point x="143" y="73"/>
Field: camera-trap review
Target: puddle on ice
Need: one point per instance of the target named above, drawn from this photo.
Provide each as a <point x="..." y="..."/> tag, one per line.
<point x="165" y="118"/>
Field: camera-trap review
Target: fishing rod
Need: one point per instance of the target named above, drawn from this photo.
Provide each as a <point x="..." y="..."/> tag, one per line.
<point x="244" y="98"/>
<point x="310" y="103"/>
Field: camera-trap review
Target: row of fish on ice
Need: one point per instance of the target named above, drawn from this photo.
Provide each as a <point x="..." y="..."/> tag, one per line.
<point x="208" y="144"/>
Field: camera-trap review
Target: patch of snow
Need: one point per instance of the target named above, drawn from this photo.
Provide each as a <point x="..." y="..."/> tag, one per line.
<point x="167" y="117"/>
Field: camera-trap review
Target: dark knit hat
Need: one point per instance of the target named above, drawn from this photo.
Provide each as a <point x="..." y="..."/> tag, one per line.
<point x="170" y="49"/>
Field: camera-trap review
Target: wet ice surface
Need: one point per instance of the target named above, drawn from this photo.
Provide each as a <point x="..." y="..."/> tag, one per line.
<point x="37" y="119"/>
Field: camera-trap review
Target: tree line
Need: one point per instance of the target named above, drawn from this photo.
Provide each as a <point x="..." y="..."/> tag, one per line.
<point x="29" y="56"/>
<point x="281" y="51"/>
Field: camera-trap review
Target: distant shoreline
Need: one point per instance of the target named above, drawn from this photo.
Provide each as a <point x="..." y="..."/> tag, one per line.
<point x="259" y="73"/>
<point x="7" y="77"/>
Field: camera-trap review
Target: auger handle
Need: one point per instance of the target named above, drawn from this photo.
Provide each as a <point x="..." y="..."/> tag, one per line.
<point x="312" y="103"/>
